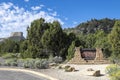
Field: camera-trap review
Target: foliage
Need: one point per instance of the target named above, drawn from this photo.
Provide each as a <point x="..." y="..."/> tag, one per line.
<point x="35" y="32"/>
<point x="34" y="63"/>
<point x="114" y="38"/>
<point x="71" y="51"/>
<point x="9" y="46"/>
<point x="11" y="62"/>
<point x="92" y="26"/>
<point x="10" y="55"/>
<point x="57" y="59"/>
<point x="41" y="64"/>
<point x="20" y="62"/>
<point x="55" y="40"/>
<point x="114" y="72"/>
<point x="29" y="63"/>
<point x="90" y="40"/>
<point x="102" y="42"/>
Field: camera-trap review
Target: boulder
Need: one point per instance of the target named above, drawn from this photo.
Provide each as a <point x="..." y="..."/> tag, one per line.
<point x="52" y="64"/>
<point x="66" y="67"/>
<point x="70" y="69"/>
<point x="96" y="73"/>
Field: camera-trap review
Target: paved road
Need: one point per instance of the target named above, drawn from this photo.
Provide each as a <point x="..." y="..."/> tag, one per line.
<point x="13" y="75"/>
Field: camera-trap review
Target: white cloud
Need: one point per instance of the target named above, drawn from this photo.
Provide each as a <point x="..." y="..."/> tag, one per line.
<point x="13" y="18"/>
<point x="26" y="0"/>
<point x="54" y="14"/>
<point x="36" y="8"/>
<point x="49" y="9"/>
<point x="74" y="22"/>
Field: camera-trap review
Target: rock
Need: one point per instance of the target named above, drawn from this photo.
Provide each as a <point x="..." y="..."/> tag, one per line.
<point x="90" y="69"/>
<point x="52" y="64"/>
<point x="16" y="36"/>
<point x="70" y="69"/>
<point x="66" y="67"/>
<point x="60" y="67"/>
<point x="96" y="73"/>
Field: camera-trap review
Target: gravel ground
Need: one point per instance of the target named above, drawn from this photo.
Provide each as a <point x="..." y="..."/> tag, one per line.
<point x="13" y="75"/>
<point x="60" y="74"/>
<point x="81" y="74"/>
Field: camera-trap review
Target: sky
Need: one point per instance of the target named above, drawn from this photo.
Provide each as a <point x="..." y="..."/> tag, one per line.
<point x="17" y="15"/>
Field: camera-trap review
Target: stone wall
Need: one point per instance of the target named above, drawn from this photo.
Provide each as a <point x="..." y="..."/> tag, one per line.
<point x="99" y="58"/>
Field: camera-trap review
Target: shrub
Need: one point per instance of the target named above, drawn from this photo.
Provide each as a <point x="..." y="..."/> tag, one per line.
<point x="113" y="71"/>
<point x="20" y="62"/>
<point x="57" y="59"/>
<point x="41" y="64"/>
<point x="51" y="58"/>
<point x="11" y="62"/>
<point x="9" y="55"/>
<point x="29" y="63"/>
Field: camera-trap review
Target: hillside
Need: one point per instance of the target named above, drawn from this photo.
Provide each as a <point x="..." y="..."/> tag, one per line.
<point x="92" y="26"/>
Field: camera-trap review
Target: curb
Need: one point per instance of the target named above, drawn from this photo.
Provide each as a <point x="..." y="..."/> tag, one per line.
<point x="29" y="71"/>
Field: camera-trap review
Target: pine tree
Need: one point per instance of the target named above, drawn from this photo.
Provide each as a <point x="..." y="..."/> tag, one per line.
<point x="114" y="38"/>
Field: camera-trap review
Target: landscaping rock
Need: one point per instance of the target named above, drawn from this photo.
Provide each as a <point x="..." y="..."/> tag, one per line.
<point x="96" y="73"/>
<point x="66" y="67"/>
<point x="70" y="69"/>
<point x="52" y="64"/>
<point x="90" y="69"/>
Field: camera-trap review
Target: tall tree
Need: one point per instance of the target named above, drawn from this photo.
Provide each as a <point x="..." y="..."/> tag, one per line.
<point x="54" y="39"/>
<point x="90" y="40"/>
<point x="71" y="51"/>
<point x="35" y="33"/>
<point x="114" y="38"/>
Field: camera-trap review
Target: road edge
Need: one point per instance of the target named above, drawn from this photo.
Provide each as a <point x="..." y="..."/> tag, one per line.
<point x="29" y="71"/>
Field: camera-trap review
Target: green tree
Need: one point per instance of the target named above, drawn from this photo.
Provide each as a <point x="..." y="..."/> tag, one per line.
<point x="90" y="41"/>
<point x="55" y="40"/>
<point x="71" y="51"/>
<point x="9" y="46"/>
<point x="114" y="38"/>
<point x="35" y="32"/>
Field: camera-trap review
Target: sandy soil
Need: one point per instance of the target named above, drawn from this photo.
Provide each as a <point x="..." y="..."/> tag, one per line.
<point x="81" y="74"/>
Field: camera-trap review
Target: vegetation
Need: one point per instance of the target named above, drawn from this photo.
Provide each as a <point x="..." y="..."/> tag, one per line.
<point x="9" y="46"/>
<point x="114" y="38"/>
<point x="114" y="72"/>
<point x="92" y="26"/>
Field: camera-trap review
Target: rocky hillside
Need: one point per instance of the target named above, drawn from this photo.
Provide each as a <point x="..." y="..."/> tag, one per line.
<point x="92" y="26"/>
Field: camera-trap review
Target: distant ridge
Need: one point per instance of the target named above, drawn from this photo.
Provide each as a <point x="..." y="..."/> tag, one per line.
<point x="93" y="26"/>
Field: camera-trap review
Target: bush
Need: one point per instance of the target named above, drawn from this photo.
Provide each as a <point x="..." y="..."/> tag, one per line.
<point x="29" y="63"/>
<point x="20" y="62"/>
<point x="11" y="62"/>
<point x="41" y="64"/>
<point x="10" y="55"/>
<point x="51" y="58"/>
<point x="113" y="71"/>
<point x="57" y="59"/>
